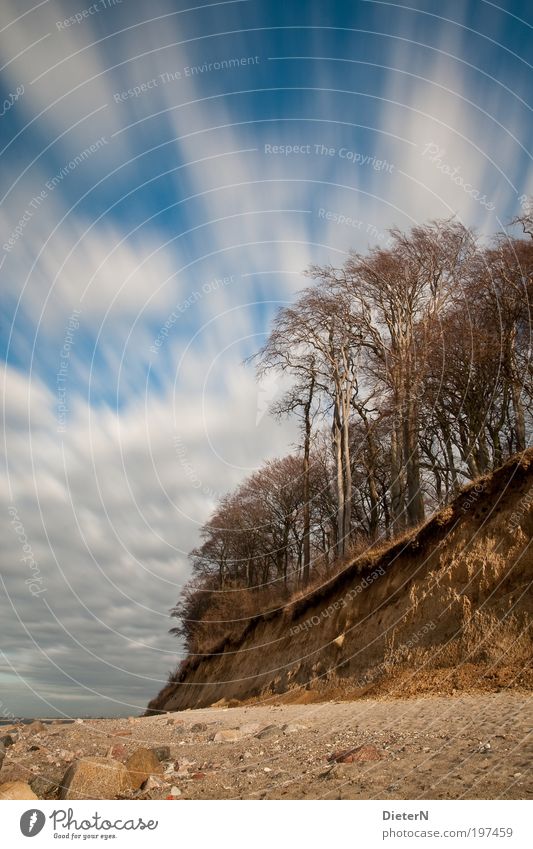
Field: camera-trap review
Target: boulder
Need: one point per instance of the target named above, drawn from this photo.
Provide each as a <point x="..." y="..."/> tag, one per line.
<point x="162" y="753"/>
<point x="269" y="733"/>
<point x="141" y="765"/>
<point x="294" y="728"/>
<point x="118" y="752"/>
<point x="43" y="786"/>
<point x="35" y="727"/>
<point x="6" y="741"/>
<point x="95" y="778"/>
<point x="228" y="735"/>
<point x="16" y="790"/>
<point x="361" y="754"/>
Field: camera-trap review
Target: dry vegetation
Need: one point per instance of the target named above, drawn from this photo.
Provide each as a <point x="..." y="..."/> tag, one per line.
<point x="408" y="370"/>
<point x="451" y="608"/>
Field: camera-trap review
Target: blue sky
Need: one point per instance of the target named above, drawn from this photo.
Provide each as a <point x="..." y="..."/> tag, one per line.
<point x="168" y="172"/>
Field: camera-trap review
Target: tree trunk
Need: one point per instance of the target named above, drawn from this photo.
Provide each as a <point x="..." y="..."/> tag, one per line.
<point x="411" y="451"/>
<point x="338" y="455"/>
<point x="396" y="487"/>
<point x="347" y="475"/>
<point x="307" y="485"/>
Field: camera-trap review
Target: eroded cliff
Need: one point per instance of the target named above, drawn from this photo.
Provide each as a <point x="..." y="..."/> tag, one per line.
<point x="449" y="601"/>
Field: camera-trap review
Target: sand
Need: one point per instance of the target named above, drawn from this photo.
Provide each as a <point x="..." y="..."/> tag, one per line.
<point x="469" y="746"/>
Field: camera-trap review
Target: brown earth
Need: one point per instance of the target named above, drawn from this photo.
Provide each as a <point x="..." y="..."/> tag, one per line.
<point x="471" y="746"/>
<point x="446" y="608"/>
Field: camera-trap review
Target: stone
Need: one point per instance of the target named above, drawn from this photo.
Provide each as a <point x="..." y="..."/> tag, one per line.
<point x="198" y="727"/>
<point x="6" y="741"/>
<point x="343" y="771"/>
<point x="250" y="728"/>
<point x="339" y="641"/>
<point x="228" y="735"/>
<point x="361" y="754"/>
<point x="293" y="728"/>
<point x="16" y="790"/>
<point x="269" y="733"/>
<point x="152" y="783"/>
<point x="142" y="764"/>
<point x="43" y="786"/>
<point x="175" y="791"/>
<point x="183" y="767"/>
<point x="95" y="778"/>
<point x="118" y="752"/>
<point x="162" y="753"/>
<point x="36" y="727"/>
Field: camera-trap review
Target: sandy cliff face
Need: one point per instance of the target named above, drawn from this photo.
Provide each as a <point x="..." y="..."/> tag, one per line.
<point x="453" y="598"/>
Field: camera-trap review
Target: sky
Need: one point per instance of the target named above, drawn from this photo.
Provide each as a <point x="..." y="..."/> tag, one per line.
<point x="168" y="171"/>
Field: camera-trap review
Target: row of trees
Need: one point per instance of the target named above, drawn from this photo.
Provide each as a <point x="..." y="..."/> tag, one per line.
<point x="409" y="370"/>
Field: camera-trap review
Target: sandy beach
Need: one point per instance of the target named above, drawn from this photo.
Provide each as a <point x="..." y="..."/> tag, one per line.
<point x="470" y="746"/>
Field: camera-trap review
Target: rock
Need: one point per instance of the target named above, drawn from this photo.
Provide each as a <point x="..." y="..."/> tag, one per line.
<point x="269" y="733"/>
<point x="141" y="765"/>
<point x="228" y="735"/>
<point x="182" y="768"/>
<point x="233" y="703"/>
<point x="118" y="752"/>
<point x="175" y="791"/>
<point x="16" y="790"/>
<point x="78" y="721"/>
<point x="250" y="728"/>
<point x="293" y="728"/>
<point x="198" y="776"/>
<point x="152" y="783"/>
<point x="2" y="754"/>
<point x="174" y="721"/>
<point x="339" y="641"/>
<point x="162" y="753"/>
<point x="198" y="727"/>
<point x="43" y="786"/>
<point x="222" y="703"/>
<point x="361" y="754"/>
<point x="6" y="741"/>
<point x="343" y="771"/>
<point x="36" y="727"/>
<point x="94" y="778"/>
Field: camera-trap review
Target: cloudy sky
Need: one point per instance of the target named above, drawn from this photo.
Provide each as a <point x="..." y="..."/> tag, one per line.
<point x="168" y="170"/>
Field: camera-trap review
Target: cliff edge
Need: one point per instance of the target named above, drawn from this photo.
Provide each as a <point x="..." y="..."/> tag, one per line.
<point x="448" y="606"/>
